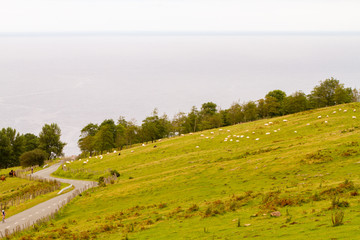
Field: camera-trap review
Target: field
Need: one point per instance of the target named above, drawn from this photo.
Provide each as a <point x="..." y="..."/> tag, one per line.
<point x="225" y="184"/>
<point x="15" y="193"/>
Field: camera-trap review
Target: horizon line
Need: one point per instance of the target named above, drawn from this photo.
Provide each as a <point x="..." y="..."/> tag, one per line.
<point x="179" y="33"/>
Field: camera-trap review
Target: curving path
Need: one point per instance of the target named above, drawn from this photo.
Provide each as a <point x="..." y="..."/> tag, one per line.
<point x="30" y="216"/>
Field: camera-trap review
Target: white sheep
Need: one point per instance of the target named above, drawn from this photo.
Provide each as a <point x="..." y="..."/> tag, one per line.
<point x="275" y="130"/>
<point x="257" y="139"/>
<point x="197" y="147"/>
<point x="201" y="135"/>
<point x="237" y="140"/>
<point x="247" y="137"/>
<point x="266" y="124"/>
<point x="295" y="131"/>
<point x="326" y="122"/>
<point x="334" y="112"/>
<point x="267" y="133"/>
<point x="231" y="140"/>
<point x="143" y="145"/>
<point x="114" y="151"/>
<point x="354" y="110"/>
<point x="212" y="133"/>
<point x="220" y="129"/>
<point x="242" y="136"/>
<point x="353" y="117"/>
<point x="345" y="110"/>
<point x="308" y="124"/>
<point x="228" y="130"/>
<point x="270" y="122"/>
<point x="319" y="117"/>
<point x="285" y="120"/>
<point x="182" y="135"/>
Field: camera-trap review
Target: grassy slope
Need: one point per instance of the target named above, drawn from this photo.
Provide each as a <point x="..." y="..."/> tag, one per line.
<point x="17" y="186"/>
<point x="160" y="188"/>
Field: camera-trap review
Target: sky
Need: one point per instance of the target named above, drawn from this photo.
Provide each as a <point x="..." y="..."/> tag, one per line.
<point x="73" y="62"/>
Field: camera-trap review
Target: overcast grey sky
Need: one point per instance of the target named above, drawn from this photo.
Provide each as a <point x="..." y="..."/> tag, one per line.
<point x="80" y="61"/>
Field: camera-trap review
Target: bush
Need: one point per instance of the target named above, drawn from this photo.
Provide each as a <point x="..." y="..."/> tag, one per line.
<point x="114" y="172"/>
<point x="34" y="157"/>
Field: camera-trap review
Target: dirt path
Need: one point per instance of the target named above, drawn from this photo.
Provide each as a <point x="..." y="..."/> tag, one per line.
<point x="30" y="216"/>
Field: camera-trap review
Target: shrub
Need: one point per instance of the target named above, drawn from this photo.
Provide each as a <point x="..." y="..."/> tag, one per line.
<point x="337" y="218"/>
<point x="114" y="172"/>
<point x="34" y="157"/>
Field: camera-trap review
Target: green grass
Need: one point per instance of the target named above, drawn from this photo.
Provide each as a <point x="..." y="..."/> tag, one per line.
<point x="180" y="191"/>
<point x="15" y="187"/>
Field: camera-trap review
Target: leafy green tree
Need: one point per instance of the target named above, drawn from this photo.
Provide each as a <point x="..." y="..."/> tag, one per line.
<point x="31" y="142"/>
<point x="154" y="128"/>
<point x="17" y="145"/>
<point x="178" y="123"/>
<point x="297" y="102"/>
<point x="330" y="92"/>
<point x="49" y="140"/>
<point x="32" y="158"/>
<point x="261" y="108"/>
<point x="104" y="138"/>
<point x="5" y="151"/>
<point x="274" y="103"/>
<point x="250" y="111"/>
<point x="192" y="121"/>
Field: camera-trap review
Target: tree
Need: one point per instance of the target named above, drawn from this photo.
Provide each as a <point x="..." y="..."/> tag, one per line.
<point x="34" y="157"/>
<point x="5" y="151"/>
<point x="16" y="143"/>
<point x="274" y="103"/>
<point x="330" y="92"/>
<point x="250" y="111"/>
<point x="31" y="142"/>
<point x="154" y="128"/>
<point x="297" y="102"/>
<point x="104" y="138"/>
<point x="50" y="140"/>
<point x="192" y="120"/>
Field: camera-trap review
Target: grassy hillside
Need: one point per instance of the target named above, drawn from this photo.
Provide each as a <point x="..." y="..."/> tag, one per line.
<point x="15" y="192"/>
<point x="225" y="183"/>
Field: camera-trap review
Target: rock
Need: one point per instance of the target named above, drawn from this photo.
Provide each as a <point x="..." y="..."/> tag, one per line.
<point x="275" y="214"/>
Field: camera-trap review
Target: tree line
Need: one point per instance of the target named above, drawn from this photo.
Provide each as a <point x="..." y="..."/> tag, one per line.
<point x="109" y="135"/>
<point x="28" y="149"/>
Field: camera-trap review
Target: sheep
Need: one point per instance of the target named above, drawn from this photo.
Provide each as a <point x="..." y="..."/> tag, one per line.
<point x="266" y="124"/>
<point x="247" y="137"/>
<point x="225" y="140"/>
<point x="308" y="124"/>
<point x="295" y="131"/>
<point x="285" y="120"/>
<point x="253" y="132"/>
<point x="143" y="145"/>
<point x="326" y="122"/>
<point x="242" y="136"/>
<point x="319" y="117"/>
<point x="354" y="110"/>
<point x="182" y="135"/>
<point x="220" y="129"/>
<point x="231" y="140"/>
<point x="84" y="162"/>
<point x="353" y="117"/>
<point x="201" y="135"/>
<point x="267" y="133"/>
<point x="114" y="151"/>
<point x="257" y="139"/>
<point x="334" y="112"/>
<point x="275" y="130"/>
<point x="197" y="147"/>
<point x="345" y="110"/>
<point x="270" y="122"/>
<point x="237" y="140"/>
<point x="67" y="161"/>
<point x="207" y="137"/>
<point x="211" y="132"/>
<point x="132" y="151"/>
<point x="228" y="130"/>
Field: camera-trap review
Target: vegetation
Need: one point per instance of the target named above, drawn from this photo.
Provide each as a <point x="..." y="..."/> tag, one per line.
<point x="98" y="139"/>
<point x="32" y="158"/>
<point x="14" y="144"/>
<point x="286" y="179"/>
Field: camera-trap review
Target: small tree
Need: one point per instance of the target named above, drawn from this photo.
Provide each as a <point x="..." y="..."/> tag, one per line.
<point x="34" y="157"/>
